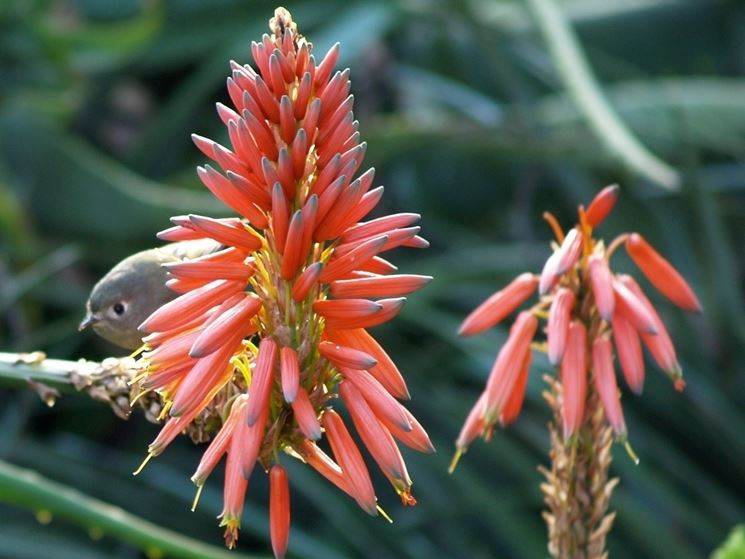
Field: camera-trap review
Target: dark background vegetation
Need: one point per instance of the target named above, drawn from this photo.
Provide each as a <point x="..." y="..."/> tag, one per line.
<point x="468" y="124"/>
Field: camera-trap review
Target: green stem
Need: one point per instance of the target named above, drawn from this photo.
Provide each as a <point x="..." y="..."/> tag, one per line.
<point x="22" y="367"/>
<point x="582" y="86"/>
<point x="30" y="490"/>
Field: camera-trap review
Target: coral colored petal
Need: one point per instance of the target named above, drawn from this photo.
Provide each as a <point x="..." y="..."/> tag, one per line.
<point x="234" y="494"/>
<point x="574" y="379"/>
<point x="324" y="465"/>
<point x="346" y="308"/>
<point x="515" y="400"/>
<point x="279" y="510"/>
<point x="262" y="380"/>
<point x="280" y="217"/>
<point x="346" y="356"/>
<point x="376" y="227"/>
<point x="179" y="233"/>
<point x="385" y="371"/>
<point x="388" y="309"/>
<point x="559" y="316"/>
<point x="500" y="305"/>
<point x="378" y="286"/>
<point x="352" y="465"/>
<point x="549" y="274"/>
<point x="376" y="437"/>
<point x="629" y="349"/>
<point x="661" y="273"/>
<point x="289" y="373"/>
<point x="251" y="439"/>
<point x="508" y="365"/>
<point x="632" y="309"/>
<point x="473" y="426"/>
<point x="293" y="257"/>
<point x="208" y="376"/>
<point x="660" y="346"/>
<point x="415" y="438"/>
<point x="601" y="281"/>
<point x="233" y="234"/>
<point x="383" y="404"/>
<point x="206" y="270"/>
<point x="305" y="415"/>
<point x="601" y="205"/>
<point x="605" y="384"/>
<point x="306" y="281"/>
<point x="190" y="305"/>
<point x="569" y="251"/>
<point x="219" y="443"/>
<point x="376" y="265"/>
<point x="231" y="320"/>
<point x="341" y="266"/>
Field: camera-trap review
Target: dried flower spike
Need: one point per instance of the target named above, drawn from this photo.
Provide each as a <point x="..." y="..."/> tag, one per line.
<point x="268" y="330"/>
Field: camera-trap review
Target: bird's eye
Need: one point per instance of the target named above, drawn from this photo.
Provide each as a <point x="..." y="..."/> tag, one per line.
<point x="119" y="309"/>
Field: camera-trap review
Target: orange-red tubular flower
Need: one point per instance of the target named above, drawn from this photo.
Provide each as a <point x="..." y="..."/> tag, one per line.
<point x="506" y="370"/>
<point x="350" y="460"/>
<point x="378" y="440"/>
<point x="500" y="305"/>
<point x="219" y="444"/>
<point x="290" y="373"/>
<point x="268" y="324"/>
<point x="346" y="356"/>
<point x="574" y="378"/>
<point x="549" y="274"/>
<point x="602" y="205"/>
<point x="569" y="251"/>
<point x="660" y="346"/>
<point x="234" y="489"/>
<point x="601" y="281"/>
<point x="629" y="349"/>
<point x="559" y="315"/>
<point x="605" y="383"/>
<point x="661" y="273"/>
<point x="279" y="510"/>
<point x="385" y="370"/>
<point x="515" y="401"/>
<point x="632" y="309"/>
<point x="473" y="426"/>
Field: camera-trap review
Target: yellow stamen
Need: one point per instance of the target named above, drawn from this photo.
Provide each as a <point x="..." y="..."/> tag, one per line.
<point x="141" y="349"/>
<point x="164" y="412"/>
<point x="384" y="514"/>
<point x="630" y="452"/>
<point x="456" y="458"/>
<point x="144" y="463"/>
<point x="196" y="497"/>
<point x="133" y="401"/>
<point x="240" y="364"/>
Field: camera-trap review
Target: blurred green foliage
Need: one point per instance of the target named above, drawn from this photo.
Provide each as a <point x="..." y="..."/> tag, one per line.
<point x="468" y="124"/>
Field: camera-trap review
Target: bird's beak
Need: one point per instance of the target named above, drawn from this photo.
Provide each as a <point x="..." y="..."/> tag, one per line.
<point x="89" y="320"/>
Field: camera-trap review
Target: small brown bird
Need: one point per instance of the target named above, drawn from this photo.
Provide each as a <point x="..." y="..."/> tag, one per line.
<point x="134" y="288"/>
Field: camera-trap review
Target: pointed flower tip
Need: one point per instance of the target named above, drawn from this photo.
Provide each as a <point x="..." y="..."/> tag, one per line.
<point x="500" y="305"/>
<point x="602" y="205"/>
<point x="660" y="273"/>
